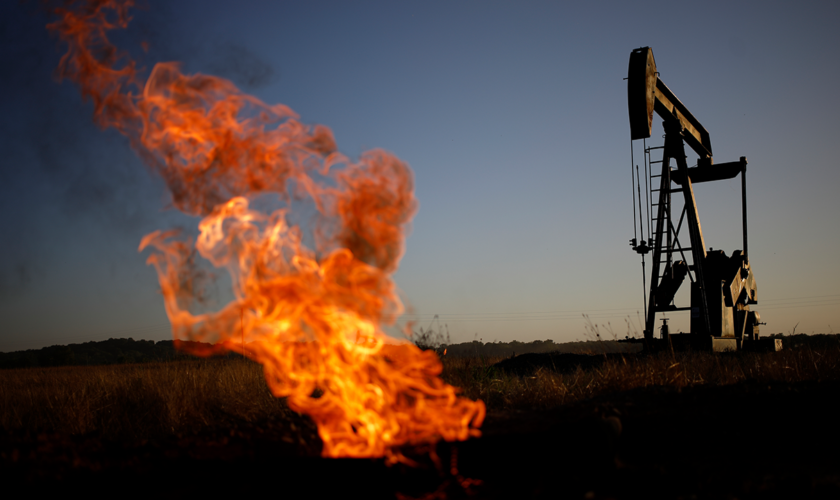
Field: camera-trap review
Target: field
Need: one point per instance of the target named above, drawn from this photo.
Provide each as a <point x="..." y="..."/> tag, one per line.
<point x="682" y="425"/>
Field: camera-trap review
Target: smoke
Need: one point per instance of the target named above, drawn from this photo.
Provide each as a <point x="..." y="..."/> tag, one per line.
<point x="241" y="66"/>
<point x="59" y="172"/>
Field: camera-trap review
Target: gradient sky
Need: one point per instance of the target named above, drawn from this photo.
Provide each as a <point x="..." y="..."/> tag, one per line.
<point x="513" y="117"/>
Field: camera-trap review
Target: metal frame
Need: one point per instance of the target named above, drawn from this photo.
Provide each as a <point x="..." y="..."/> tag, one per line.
<point x="723" y="283"/>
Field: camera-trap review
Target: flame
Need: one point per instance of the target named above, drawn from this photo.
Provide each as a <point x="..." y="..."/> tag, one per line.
<point x="313" y="317"/>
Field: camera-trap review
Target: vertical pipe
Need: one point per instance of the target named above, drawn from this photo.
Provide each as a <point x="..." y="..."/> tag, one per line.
<point x="648" y="194"/>
<point x="644" y="286"/>
<point x="639" y="188"/>
<point x="633" y="189"/>
<point x="667" y="196"/>
<point x="744" y="203"/>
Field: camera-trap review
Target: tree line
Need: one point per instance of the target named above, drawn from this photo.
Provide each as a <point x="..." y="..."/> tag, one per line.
<point x="104" y="352"/>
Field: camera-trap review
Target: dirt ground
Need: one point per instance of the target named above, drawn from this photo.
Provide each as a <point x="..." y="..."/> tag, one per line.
<point x="746" y="440"/>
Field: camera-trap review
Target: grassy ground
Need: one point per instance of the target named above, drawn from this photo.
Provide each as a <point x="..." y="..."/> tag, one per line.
<point x="546" y="388"/>
<point x="142" y="401"/>
<point x="136" y="401"/>
<point x="688" y="425"/>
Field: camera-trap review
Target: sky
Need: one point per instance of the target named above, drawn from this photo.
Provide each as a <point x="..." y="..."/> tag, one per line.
<point x="513" y="117"/>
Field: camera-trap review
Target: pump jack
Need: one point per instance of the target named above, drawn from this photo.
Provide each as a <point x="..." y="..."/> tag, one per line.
<point x="722" y="287"/>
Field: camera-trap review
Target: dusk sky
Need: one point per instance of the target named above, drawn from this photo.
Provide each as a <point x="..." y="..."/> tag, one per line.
<point x="513" y="117"/>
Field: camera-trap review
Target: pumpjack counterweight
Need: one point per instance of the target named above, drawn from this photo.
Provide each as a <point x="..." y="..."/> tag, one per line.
<point x="723" y="287"/>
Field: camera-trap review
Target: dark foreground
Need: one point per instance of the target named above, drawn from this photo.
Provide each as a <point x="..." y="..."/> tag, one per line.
<point x="748" y="440"/>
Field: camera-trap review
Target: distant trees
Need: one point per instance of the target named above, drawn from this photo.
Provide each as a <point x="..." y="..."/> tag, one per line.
<point x="803" y="340"/>
<point x="508" y="349"/>
<point x="105" y="352"/>
<point x="118" y="351"/>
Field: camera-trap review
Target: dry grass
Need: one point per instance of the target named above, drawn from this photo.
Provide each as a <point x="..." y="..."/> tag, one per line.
<point x="144" y="401"/>
<point x="547" y="389"/>
<point x="135" y="401"/>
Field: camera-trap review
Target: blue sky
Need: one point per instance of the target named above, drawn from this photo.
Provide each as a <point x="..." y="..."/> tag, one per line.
<point x="513" y="117"/>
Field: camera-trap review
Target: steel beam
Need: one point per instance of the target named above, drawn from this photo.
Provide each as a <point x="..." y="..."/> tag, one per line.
<point x="668" y="106"/>
<point x="674" y="149"/>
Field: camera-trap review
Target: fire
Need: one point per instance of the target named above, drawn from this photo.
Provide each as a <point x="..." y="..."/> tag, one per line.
<point x="313" y="317"/>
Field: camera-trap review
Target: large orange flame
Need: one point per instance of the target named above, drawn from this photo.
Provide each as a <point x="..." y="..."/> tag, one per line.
<point x="313" y="317"/>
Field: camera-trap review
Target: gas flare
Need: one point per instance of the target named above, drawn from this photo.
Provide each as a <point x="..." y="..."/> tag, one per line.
<point x="313" y="317"/>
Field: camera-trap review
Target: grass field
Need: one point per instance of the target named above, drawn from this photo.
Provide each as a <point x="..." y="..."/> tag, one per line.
<point x="150" y="400"/>
<point x="546" y="388"/>
<point x="559" y="425"/>
<point x="136" y="401"/>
